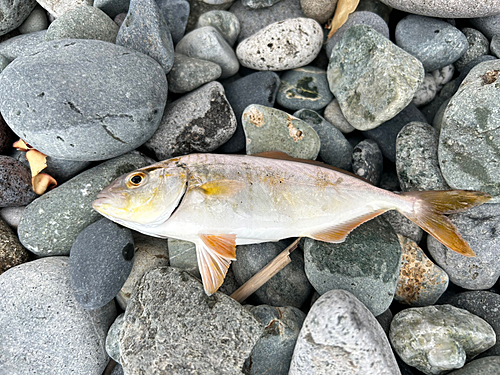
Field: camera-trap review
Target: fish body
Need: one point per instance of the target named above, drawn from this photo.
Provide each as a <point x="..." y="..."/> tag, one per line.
<point x="220" y="201"/>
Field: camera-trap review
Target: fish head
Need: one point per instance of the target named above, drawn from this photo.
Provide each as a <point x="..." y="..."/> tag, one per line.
<point x="145" y="197"/>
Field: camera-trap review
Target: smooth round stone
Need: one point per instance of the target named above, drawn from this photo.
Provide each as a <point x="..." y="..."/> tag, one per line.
<point x="273" y="352"/>
<point x="366" y="264"/>
<point x="207" y="43"/>
<point x="36" y="308"/>
<point x="488" y="365"/>
<point x="113" y="7"/>
<point x="485" y="305"/>
<point x="426" y="92"/>
<point x="358" y="18"/>
<point x="15" y="183"/>
<point x="226" y="23"/>
<point x="214" y="332"/>
<point x="270" y="129"/>
<point x="84" y="22"/>
<point x="443" y="76"/>
<point x="417" y="158"/>
<point x="340" y="334"/>
<point x="319" y="10"/>
<point x="436" y="339"/>
<point x="289" y="287"/>
<point x="120" y="18"/>
<point x="36" y="21"/>
<point x="304" y="88"/>
<point x="257" y="4"/>
<point x="12" y="253"/>
<point x="283" y="45"/>
<point x="371" y="77"/>
<point x="113" y="338"/>
<point x="448" y="8"/>
<point x="22" y="44"/>
<point x="256" y="88"/>
<point x="335" y="149"/>
<point x="144" y="30"/>
<point x="367" y="161"/>
<point x="58" y="7"/>
<point x="478" y="46"/>
<point x="403" y="226"/>
<point x="420" y="282"/>
<point x="495" y="45"/>
<point x="436" y="43"/>
<point x="14" y="12"/>
<point x="176" y="14"/>
<point x="253" y="20"/>
<point x="12" y="215"/>
<point x="189" y="73"/>
<point x="479" y="226"/>
<point x="80" y="89"/>
<point x="470" y="132"/>
<point x="51" y="223"/>
<point x="489" y="26"/>
<point x="200" y="121"/>
<point x="333" y="114"/>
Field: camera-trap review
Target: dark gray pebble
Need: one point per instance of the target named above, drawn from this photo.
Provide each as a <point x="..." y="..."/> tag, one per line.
<point x="189" y="73"/>
<point x="15" y="183"/>
<point x="489" y="26"/>
<point x="175" y="13"/>
<point x="367" y="161"/>
<point x="12" y="253"/>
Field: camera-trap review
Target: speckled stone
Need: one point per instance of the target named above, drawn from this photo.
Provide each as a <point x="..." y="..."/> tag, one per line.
<point x="270" y="129"/>
<point x="371" y="77"/>
<point x="335" y="149"/>
<point x="436" y="339"/>
<point x="367" y="161"/>
<point x="443" y="76"/>
<point x="283" y="45"/>
<point x="479" y="45"/>
<point x="58" y="7"/>
<point x="333" y="114"/>
<point x="219" y="339"/>
<point x="258" y="4"/>
<point x="447" y="9"/>
<point x="21" y="44"/>
<point x="12" y="253"/>
<point x="113" y="338"/>
<point x="481" y="366"/>
<point x="12" y="215"/>
<point x="14" y="12"/>
<point x="319" y="10"/>
<point x="226" y="23"/>
<point x="15" y="183"/>
<point x="199" y="121"/>
<point x="36" y="21"/>
<point x="340" y="334"/>
<point x="426" y="92"/>
<point x="189" y="73"/>
<point x="489" y="26"/>
<point x="403" y="226"/>
<point x="176" y="14"/>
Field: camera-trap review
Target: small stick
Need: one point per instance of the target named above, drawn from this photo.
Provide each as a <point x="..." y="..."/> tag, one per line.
<point x="261" y="277"/>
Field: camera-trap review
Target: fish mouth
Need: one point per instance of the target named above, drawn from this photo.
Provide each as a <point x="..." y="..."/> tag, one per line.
<point x="103" y="198"/>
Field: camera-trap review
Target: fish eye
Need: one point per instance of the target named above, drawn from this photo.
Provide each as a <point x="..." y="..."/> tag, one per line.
<point x="136" y="179"/>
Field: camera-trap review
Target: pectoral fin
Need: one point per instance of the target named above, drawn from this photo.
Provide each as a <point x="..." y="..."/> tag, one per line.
<point x="215" y="253"/>
<point x="222" y="188"/>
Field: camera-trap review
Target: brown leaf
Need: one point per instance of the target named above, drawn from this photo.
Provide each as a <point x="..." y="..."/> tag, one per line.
<point x="21" y="145"/>
<point x="37" y="161"/>
<point x="344" y="8"/>
<point x="41" y="182"/>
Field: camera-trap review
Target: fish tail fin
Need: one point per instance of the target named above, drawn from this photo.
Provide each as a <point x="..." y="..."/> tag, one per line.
<point x="428" y="213"/>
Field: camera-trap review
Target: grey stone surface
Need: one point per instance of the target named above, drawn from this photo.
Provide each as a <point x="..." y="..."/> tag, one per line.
<point x="340" y="336"/>
<point x="13" y="13"/>
<point x="112" y="7"/>
<point x="145" y="30"/>
<point x="375" y="6"/>
<point x="36" y="21"/>
<point x="113" y="338"/>
<point x="282" y="45"/>
<point x="447" y="9"/>
<point x="257" y="4"/>
<point x="58" y="7"/>
<point x="273" y="352"/>
<point x="480" y="227"/>
<point x="208" y="44"/>
<point x="21" y="44"/>
<point x="319" y="10"/>
<point x="495" y="45"/>
<point x="190" y="332"/>
<point x="270" y="129"/>
<point x="417" y="158"/>
<point x="51" y="223"/>
<point x="12" y="253"/>
<point x="12" y="215"/>
<point x="200" y="121"/>
<point x="426" y="92"/>
<point x="403" y="226"/>
<point x="436" y="339"/>
<point x="436" y="43"/>
<point x="15" y="183"/>
<point x="333" y="114"/>
<point x="37" y="310"/>
<point x="79" y="90"/>
<point x="182" y="255"/>
<point x="366" y="264"/>
<point x="489" y="25"/>
<point x="335" y="149"/>
<point x="176" y="14"/>
<point x="478" y="46"/>
<point x="84" y="22"/>
<point x="189" y="73"/>
<point x="226" y="23"/>
<point x="4" y="61"/>
<point x="198" y="7"/>
<point x="488" y="365"/>
<point x="367" y="161"/>
<point x="371" y="77"/>
<point x="468" y="143"/>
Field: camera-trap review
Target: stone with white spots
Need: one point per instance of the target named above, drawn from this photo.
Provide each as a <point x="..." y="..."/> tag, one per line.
<point x="426" y="92"/>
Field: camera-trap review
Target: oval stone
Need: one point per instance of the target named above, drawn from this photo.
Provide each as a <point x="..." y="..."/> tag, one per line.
<point x="83" y="99"/>
<point x="447" y="8"/>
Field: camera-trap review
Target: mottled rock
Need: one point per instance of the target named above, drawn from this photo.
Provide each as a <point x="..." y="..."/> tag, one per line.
<point x="270" y="129"/>
<point x="21" y="44"/>
<point x="226" y="23"/>
<point x="488" y="365"/>
<point x="319" y="10"/>
<point x="12" y="253"/>
<point x="199" y="7"/>
<point x="334" y="115"/>
<point x="113" y="338"/>
<point x="15" y="183"/>
<point x="443" y="76"/>
<point x="403" y="226"/>
<point x="36" y="21"/>
<point x="426" y="92"/>
<point x="58" y="7"/>
<point x="257" y="4"/>
<point x="340" y="334"/>
<point x="478" y="46"/>
<point x="447" y="9"/>
<point x="14" y="12"/>
<point x="176" y="14"/>
<point x="188" y="73"/>
<point x="367" y="161"/>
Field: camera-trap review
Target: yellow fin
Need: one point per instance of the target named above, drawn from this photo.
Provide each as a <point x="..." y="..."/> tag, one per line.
<point x="222" y="244"/>
<point x="222" y="188"/>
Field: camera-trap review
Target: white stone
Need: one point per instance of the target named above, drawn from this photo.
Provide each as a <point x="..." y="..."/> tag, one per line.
<point x="443" y="76"/>
<point x="426" y="92"/>
<point x="58" y="7"/>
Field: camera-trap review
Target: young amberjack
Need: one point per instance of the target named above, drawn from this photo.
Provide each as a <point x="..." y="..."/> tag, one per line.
<point x="220" y="201"/>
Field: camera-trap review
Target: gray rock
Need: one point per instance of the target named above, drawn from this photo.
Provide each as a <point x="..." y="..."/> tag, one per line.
<point x="375" y="6"/>
<point x="417" y="158"/>
<point x="436" y="339"/>
<point x="376" y="90"/>
<point x="335" y="149"/>
<point x="282" y="45"/>
<point x="113" y="338"/>
<point x="12" y="215"/>
<point x="257" y="4"/>
<point x="182" y="255"/>
<point x="437" y="122"/>
<point x="51" y="223"/>
<point x="226" y="23"/>
<point x="220" y="336"/>
<point x="448" y="9"/>
<point x="189" y="73"/>
<point x="4" y="61"/>
<point x="198" y="7"/>
<point x="478" y="46"/>
<point x="468" y="143"/>
<point x="403" y="226"/>
<point x="12" y="253"/>
<point x="21" y="44"/>
<point x="37" y="307"/>
<point x="489" y="26"/>
<point x="495" y="45"/>
<point x="270" y="129"/>
<point x="14" y="12"/>
<point x="200" y="121"/>
<point x="488" y="365"/>
<point x="366" y="264"/>
<point x="176" y="14"/>
<point x="340" y="336"/>
<point x="435" y="42"/>
<point x="208" y="44"/>
<point x="84" y="22"/>
<point x="319" y="10"/>
<point x="443" y="76"/>
<point x="367" y="161"/>
<point x="426" y="92"/>
<point x="334" y="115"/>
<point x="273" y="352"/>
<point x="36" y="21"/>
<point x="146" y="31"/>
<point x="80" y="91"/>
<point x="15" y="183"/>
<point x="57" y="8"/>
<point x="112" y="7"/>
<point x="480" y="227"/>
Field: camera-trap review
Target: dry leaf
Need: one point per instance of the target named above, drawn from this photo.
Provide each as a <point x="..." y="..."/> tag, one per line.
<point x="41" y="182"/>
<point x="37" y="161"/>
<point x="21" y="145"/>
<point x="344" y="8"/>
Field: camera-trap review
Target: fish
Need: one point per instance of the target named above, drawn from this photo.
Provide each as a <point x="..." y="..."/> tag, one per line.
<point x="221" y="201"/>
